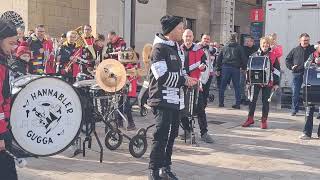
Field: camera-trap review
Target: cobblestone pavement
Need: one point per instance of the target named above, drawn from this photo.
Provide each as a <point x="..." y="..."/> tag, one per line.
<point x="237" y="154"/>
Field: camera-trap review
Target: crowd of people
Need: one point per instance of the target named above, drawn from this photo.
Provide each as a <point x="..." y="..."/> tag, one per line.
<point x="179" y="64"/>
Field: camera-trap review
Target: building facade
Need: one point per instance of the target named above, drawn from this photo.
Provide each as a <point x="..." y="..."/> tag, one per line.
<point x="217" y="17"/>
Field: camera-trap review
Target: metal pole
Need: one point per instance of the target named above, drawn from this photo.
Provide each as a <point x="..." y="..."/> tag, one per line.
<point x="133" y="23"/>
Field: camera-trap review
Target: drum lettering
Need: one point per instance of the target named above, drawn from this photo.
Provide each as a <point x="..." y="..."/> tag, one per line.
<point x="61" y="97"/>
<point x="29" y="133"/>
<point x="39" y="93"/>
<point x="33" y="137"/>
<point x="63" y="102"/>
<point x="50" y="92"/>
<point x="33" y="96"/>
<point x="70" y="110"/>
<point x="39" y="139"/>
<point x="45" y="92"/>
<point x="55" y="94"/>
<point x="68" y="104"/>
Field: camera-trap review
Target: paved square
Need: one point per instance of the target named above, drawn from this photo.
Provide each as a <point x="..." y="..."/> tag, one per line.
<point x="237" y="154"/>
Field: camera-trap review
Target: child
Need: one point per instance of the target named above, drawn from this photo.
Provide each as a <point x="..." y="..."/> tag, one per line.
<point x="273" y="85"/>
<point x="21" y="64"/>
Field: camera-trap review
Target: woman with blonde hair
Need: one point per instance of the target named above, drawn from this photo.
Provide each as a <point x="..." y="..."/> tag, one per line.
<point x="273" y="84"/>
<point x="276" y="49"/>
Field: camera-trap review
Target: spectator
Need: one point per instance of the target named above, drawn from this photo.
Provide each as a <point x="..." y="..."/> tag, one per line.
<point x="295" y="62"/>
<point x="230" y="61"/>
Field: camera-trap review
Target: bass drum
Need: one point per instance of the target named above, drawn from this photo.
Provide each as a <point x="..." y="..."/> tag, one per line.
<point x="46" y="116"/>
<point x="18" y="83"/>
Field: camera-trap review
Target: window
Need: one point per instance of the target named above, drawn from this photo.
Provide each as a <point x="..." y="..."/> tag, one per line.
<point x="191" y="24"/>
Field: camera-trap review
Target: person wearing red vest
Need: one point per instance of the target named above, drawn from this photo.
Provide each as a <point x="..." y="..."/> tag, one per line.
<point x="66" y="53"/>
<point x="21" y="36"/>
<point x="117" y="42"/>
<point x="194" y="64"/>
<point x="88" y="53"/>
<point x="8" y="40"/>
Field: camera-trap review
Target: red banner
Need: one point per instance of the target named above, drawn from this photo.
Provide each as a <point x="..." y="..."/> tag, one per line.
<point x="256" y="15"/>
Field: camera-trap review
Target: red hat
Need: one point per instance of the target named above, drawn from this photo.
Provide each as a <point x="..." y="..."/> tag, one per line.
<point x="23" y="49"/>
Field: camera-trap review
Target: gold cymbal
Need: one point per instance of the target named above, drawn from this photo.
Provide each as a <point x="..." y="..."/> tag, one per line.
<point x="111" y="75"/>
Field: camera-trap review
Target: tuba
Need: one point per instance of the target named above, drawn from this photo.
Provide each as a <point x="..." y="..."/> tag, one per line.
<point x="81" y="41"/>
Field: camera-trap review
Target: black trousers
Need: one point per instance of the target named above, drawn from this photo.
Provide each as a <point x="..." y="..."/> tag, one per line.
<point x="206" y="90"/>
<point x="7" y="166"/>
<point x="201" y="114"/>
<point x="266" y="91"/>
<point x="167" y="127"/>
<point x="308" y="127"/>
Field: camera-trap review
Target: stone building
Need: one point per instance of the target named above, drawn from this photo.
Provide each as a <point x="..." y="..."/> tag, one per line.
<point x="218" y="17"/>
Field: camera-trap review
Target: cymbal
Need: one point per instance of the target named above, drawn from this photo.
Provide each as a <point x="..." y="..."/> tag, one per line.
<point x="111" y="75"/>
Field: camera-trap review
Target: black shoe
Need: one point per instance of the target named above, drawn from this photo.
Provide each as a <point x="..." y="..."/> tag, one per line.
<point x="236" y="106"/>
<point x="221" y="105"/>
<point x="154" y="174"/>
<point x="293" y="114"/>
<point x="167" y="174"/>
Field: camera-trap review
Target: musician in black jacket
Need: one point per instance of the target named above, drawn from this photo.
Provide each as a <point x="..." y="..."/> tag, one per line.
<point x="166" y="94"/>
<point x="266" y="89"/>
<point x="314" y="59"/>
<point x="65" y="55"/>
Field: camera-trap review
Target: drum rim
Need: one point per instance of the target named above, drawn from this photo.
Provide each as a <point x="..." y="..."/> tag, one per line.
<point x="78" y="132"/>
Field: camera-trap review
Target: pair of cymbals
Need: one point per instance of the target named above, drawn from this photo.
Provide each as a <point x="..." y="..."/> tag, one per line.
<point x="111" y="75"/>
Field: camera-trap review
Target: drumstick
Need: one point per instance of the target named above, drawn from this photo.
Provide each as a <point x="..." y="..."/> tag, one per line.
<point x="20" y="162"/>
<point x="249" y="95"/>
<point x="269" y="100"/>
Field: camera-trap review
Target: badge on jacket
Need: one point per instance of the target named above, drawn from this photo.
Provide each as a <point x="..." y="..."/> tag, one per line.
<point x="173" y="57"/>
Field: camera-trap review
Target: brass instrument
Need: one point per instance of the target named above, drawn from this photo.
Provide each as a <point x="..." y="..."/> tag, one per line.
<point x="146" y="55"/>
<point x="81" y="42"/>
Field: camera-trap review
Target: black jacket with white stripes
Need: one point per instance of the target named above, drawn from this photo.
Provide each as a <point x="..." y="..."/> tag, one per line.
<point x="166" y="77"/>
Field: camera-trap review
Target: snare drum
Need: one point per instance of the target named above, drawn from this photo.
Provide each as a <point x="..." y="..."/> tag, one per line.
<point x="18" y="83"/>
<point x="46" y="116"/>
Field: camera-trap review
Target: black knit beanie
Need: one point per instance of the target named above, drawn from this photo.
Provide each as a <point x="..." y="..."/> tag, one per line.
<point x="169" y="23"/>
<point x="7" y="29"/>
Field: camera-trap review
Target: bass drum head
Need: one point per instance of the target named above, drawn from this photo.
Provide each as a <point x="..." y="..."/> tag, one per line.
<point x="46" y="116"/>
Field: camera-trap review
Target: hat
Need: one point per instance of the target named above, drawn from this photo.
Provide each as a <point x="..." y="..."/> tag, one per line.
<point x="7" y="29"/>
<point x="23" y="49"/>
<point x="168" y="23"/>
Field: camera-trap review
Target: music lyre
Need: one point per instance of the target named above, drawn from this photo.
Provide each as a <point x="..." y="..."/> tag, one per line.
<point x="27" y="103"/>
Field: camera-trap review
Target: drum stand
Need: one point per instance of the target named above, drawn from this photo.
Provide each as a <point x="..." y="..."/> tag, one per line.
<point x="88" y="139"/>
<point x="193" y="99"/>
